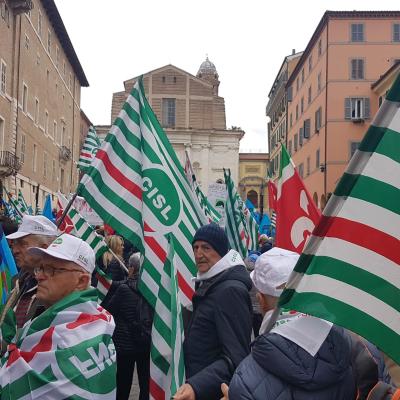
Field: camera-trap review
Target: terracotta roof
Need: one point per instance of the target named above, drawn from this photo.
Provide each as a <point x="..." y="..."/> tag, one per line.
<point x="386" y="74"/>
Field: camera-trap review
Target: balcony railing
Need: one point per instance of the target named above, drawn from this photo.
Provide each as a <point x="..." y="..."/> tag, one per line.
<point x="21" y="6"/>
<point x="9" y="163"/>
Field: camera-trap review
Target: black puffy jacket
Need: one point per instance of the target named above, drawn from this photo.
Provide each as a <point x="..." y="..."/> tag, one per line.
<point x="125" y="304"/>
<point x="219" y="333"/>
<point x="278" y="369"/>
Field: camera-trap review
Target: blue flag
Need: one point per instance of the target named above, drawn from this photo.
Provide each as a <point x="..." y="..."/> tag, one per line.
<point x="265" y="225"/>
<point x="47" y="209"/>
<point x="8" y="268"/>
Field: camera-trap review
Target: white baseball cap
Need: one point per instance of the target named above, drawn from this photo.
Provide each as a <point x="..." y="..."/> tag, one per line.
<point x="34" y="225"/>
<point x="272" y="270"/>
<point x="70" y="248"/>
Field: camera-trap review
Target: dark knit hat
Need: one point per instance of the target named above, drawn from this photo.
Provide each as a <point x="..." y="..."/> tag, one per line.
<point x="215" y="236"/>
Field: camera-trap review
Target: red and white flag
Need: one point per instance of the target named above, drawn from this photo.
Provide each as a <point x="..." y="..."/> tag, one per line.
<point x="297" y="214"/>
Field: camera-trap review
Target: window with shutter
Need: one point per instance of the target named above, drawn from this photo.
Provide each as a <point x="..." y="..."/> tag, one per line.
<point x="317" y="162"/>
<point x="396" y="32"/>
<point x="318" y="119"/>
<point x="357" y="108"/>
<point x="295" y="141"/>
<point x="290" y="147"/>
<point x="357" y="68"/>
<point x="353" y="148"/>
<point x="307" y="125"/>
<point x="301" y="135"/>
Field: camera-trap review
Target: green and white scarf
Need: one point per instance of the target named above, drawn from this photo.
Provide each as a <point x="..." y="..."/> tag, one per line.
<point x="66" y="352"/>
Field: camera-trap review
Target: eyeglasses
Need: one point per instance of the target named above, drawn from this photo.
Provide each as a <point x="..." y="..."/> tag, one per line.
<point x="50" y="271"/>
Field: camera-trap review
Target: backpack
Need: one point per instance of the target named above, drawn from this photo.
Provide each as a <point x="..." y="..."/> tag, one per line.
<point x="384" y="391"/>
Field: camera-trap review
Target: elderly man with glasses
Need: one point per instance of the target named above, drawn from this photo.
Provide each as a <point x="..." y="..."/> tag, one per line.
<point x="35" y="230"/>
<point x="67" y="351"/>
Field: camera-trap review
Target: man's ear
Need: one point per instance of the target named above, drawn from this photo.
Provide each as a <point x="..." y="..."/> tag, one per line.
<point x="83" y="282"/>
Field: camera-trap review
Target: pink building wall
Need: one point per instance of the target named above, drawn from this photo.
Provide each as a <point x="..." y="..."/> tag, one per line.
<point x="336" y="134"/>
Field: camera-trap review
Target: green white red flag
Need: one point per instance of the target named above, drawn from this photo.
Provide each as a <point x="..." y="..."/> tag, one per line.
<point x="66" y="352"/>
<point x="297" y="215"/>
<point x="240" y="226"/>
<point x="84" y="231"/>
<point x="210" y="212"/>
<point x="349" y="272"/>
<point x="89" y="149"/>
<point x="167" y="368"/>
<point x="137" y="185"/>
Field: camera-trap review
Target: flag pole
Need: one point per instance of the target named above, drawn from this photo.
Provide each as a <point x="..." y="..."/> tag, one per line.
<point x="60" y="221"/>
<point x="121" y="263"/>
<point x="69" y="205"/>
<point x="273" y="319"/>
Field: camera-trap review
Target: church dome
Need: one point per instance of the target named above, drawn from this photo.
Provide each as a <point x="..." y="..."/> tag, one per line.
<point x="207" y="68"/>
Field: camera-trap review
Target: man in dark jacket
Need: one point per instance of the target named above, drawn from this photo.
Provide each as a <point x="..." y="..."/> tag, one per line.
<point x="302" y="357"/>
<point x="219" y="333"/>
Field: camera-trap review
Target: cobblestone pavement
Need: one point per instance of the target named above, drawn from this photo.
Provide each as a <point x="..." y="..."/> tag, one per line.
<point x="135" y="388"/>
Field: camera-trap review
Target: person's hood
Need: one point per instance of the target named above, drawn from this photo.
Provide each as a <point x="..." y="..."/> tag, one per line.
<point x="292" y="364"/>
<point x="230" y="267"/>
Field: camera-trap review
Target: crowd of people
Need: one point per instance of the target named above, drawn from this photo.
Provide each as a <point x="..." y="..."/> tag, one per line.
<point x="238" y="344"/>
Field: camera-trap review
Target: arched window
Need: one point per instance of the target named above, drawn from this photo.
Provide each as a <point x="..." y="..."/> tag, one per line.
<point x="252" y="195"/>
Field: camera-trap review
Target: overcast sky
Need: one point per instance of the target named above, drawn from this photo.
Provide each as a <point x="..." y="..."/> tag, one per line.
<point x="247" y="42"/>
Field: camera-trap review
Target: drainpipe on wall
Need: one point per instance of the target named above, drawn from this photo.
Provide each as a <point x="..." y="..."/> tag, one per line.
<point x="73" y="132"/>
<point x="15" y="93"/>
<point x="326" y="112"/>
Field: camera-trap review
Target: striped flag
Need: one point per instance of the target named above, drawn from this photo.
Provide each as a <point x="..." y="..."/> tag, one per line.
<point x="84" y="231"/>
<point x="234" y="226"/>
<point x="137" y="185"/>
<point x="273" y="219"/>
<point x="89" y="149"/>
<point x="20" y="210"/>
<point x="251" y="229"/>
<point x="349" y="272"/>
<point x="167" y="369"/>
<point x="24" y="207"/>
<point x="104" y="283"/>
<point x="210" y="212"/>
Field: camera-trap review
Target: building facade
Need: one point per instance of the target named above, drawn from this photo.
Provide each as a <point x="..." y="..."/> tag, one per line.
<point x="331" y="102"/>
<point x="276" y="111"/>
<point x="41" y="80"/>
<point x="193" y="117"/>
<point x="253" y="169"/>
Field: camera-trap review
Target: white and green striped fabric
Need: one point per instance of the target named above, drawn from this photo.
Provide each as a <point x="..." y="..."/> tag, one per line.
<point x="167" y="369"/>
<point x="23" y="206"/>
<point x="137" y="185"/>
<point x="20" y="210"/>
<point x="349" y="272"/>
<point x="251" y="229"/>
<point x="234" y="226"/>
<point x="89" y="149"/>
<point x="210" y="212"/>
<point x="65" y="352"/>
<point x="84" y="231"/>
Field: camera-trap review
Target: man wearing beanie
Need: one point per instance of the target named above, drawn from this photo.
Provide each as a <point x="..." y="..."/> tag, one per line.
<point x="218" y="336"/>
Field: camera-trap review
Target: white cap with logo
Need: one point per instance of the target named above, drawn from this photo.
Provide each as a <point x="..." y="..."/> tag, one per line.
<point x="70" y="248"/>
<point x="272" y="270"/>
<point x="34" y="225"/>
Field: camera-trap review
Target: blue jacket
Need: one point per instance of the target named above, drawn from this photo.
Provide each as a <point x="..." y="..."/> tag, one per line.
<point x="278" y="369"/>
<point x="218" y="336"/>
